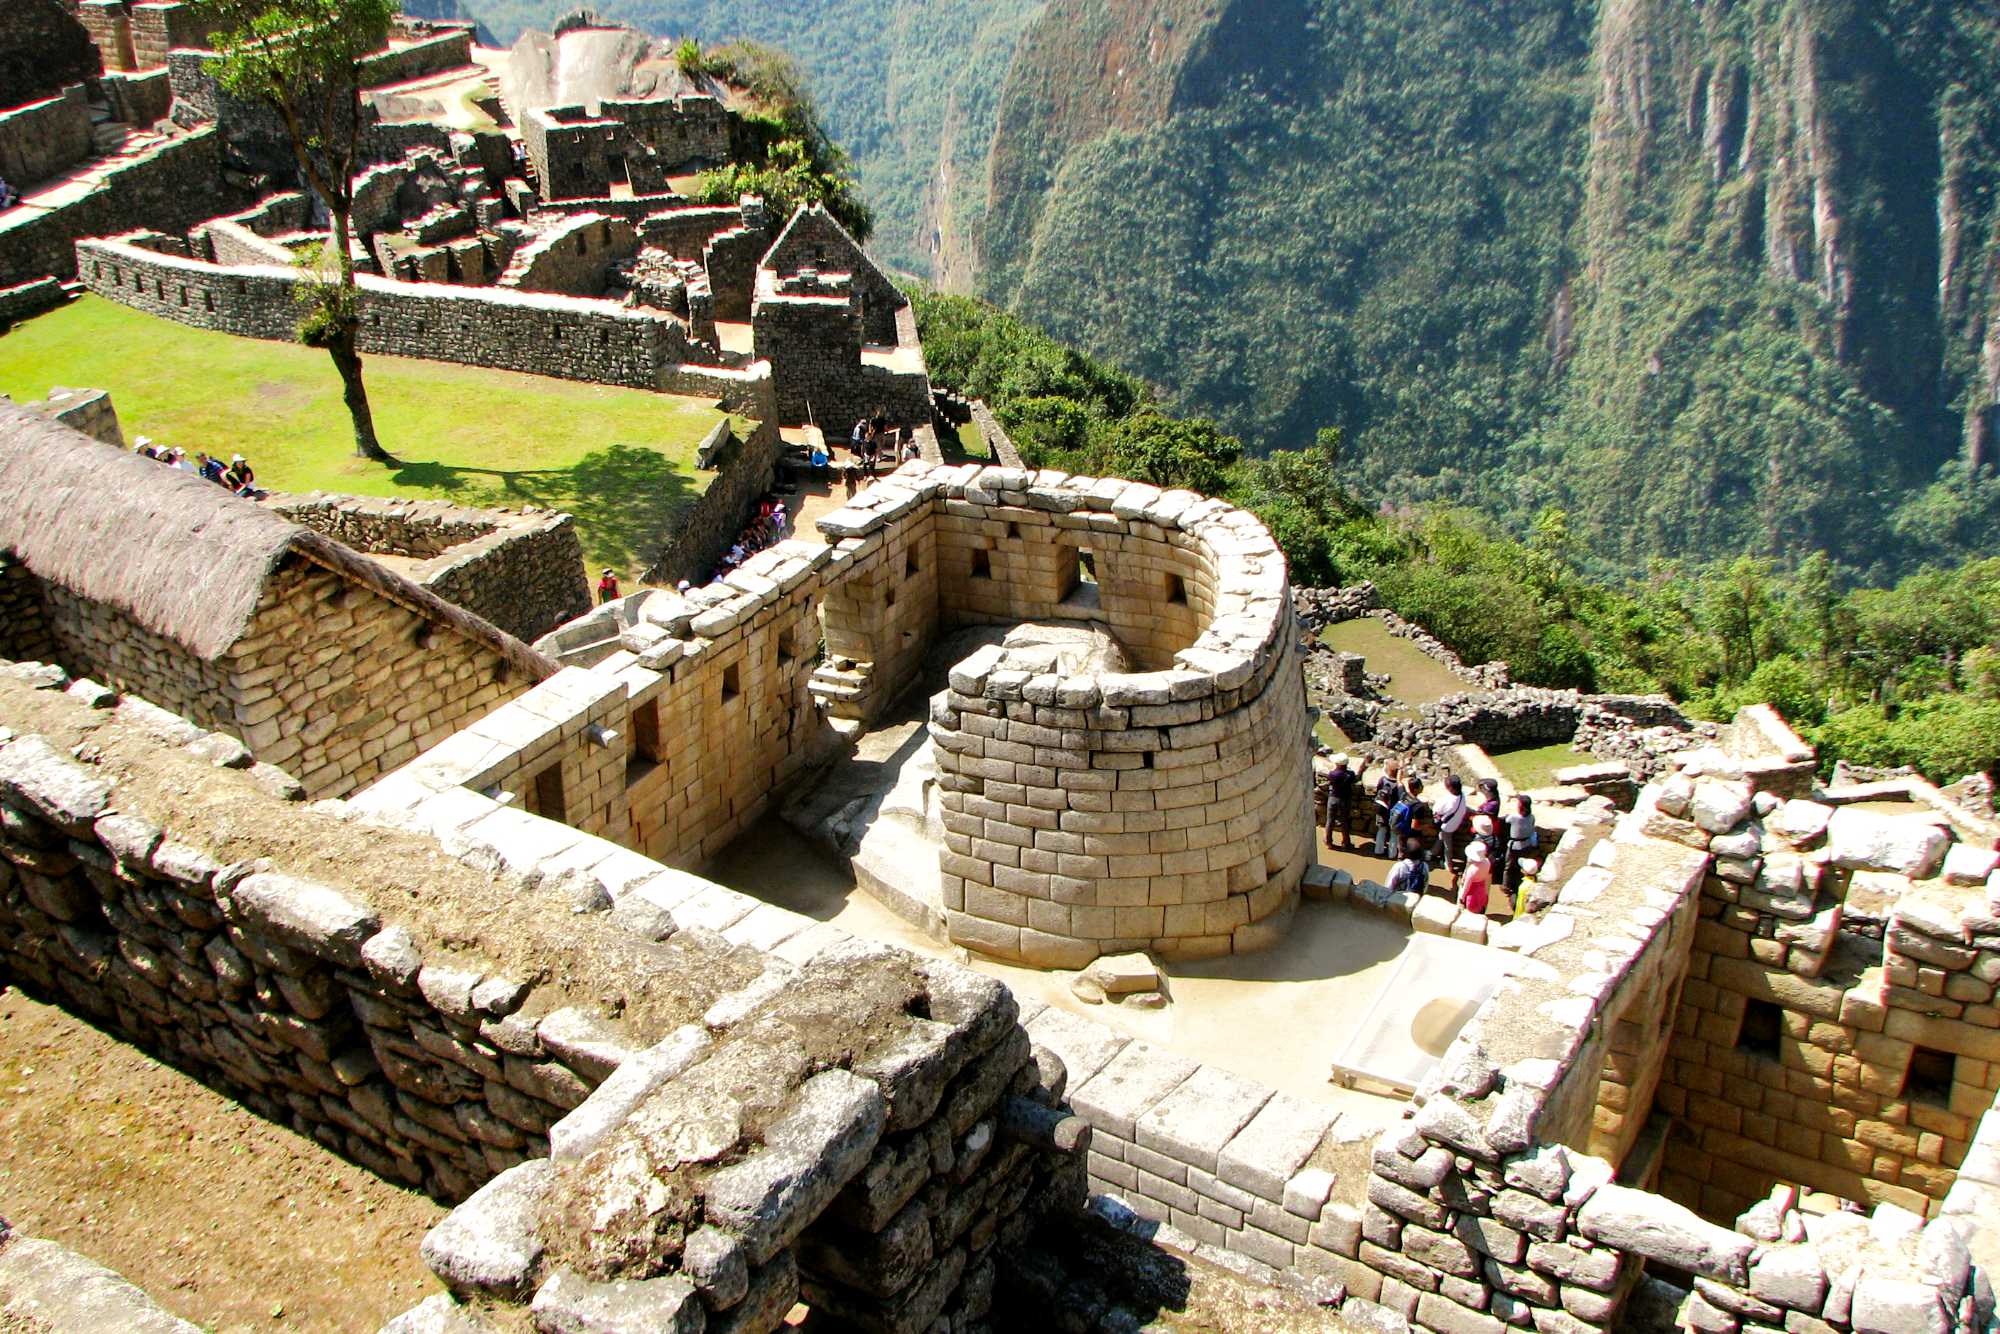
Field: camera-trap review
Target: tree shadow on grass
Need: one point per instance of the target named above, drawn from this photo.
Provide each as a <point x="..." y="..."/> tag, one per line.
<point x="626" y="500"/>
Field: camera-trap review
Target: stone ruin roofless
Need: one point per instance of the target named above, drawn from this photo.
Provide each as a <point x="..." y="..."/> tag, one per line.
<point x="1738" y="983"/>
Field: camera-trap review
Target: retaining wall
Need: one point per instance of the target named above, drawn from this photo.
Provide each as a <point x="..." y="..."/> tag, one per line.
<point x="43" y="139"/>
<point x="704" y="531"/>
<point x="532" y="332"/>
<point x="171" y="187"/>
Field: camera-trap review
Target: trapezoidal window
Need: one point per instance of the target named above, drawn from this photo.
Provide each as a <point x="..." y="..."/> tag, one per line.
<point x="1930" y="1077"/>
<point x="1763" y="1024"/>
<point x="910" y="565"/>
<point x="982" y="563"/>
<point x="732" y="682"/>
<point x="645" y="753"/>
<point x="1176" y="590"/>
<point x="547" y="793"/>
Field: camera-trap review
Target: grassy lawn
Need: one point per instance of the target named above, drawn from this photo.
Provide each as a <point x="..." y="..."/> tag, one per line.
<point x="1530" y="769"/>
<point x="620" y="460"/>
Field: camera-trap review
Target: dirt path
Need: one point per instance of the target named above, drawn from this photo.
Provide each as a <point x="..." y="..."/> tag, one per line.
<point x="224" y="1218"/>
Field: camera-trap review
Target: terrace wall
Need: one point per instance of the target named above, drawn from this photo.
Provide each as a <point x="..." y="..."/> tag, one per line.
<point x="45" y="138"/>
<point x="536" y="333"/>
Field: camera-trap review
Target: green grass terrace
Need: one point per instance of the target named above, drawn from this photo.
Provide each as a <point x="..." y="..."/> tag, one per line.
<point x="620" y="460"/>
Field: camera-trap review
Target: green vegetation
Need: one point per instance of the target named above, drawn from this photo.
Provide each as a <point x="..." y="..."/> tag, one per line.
<point x="620" y="460"/>
<point x="789" y="160"/>
<point x="302" y="60"/>
<point x="907" y="89"/>
<point x="1908" y="674"/>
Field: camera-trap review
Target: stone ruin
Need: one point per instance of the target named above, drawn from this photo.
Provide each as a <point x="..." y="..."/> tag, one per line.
<point x="1750" y="996"/>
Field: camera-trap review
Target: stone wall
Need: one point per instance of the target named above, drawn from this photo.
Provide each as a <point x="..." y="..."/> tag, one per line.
<point x="158" y="28"/>
<point x="705" y="530"/>
<point x="521" y="572"/>
<point x="28" y="300"/>
<point x="229" y="243"/>
<point x="87" y="410"/>
<point x="45" y="138"/>
<point x="1830" y="955"/>
<point x="142" y="99"/>
<point x="878" y="1128"/>
<point x="109" y="23"/>
<point x="814" y="240"/>
<point x="1092" y="811"/>
<point x="572" y="258"/>
<point x="170" y="187"/>
<point x="539" y="334"/>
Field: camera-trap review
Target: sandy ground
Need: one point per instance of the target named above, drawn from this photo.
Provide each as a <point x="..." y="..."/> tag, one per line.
<point x="224" y="1218"/>
<point x="1302" y="1000"/>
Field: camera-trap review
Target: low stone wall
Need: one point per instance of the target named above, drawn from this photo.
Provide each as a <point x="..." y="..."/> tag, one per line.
<point x="43" y="139"/>
<point x="997" y="439"/>
<point x="29" y="300"/>
<point x="171" y="187"/>
<point x="572" y="258"/>
<point x="87" y="410"/>
<point x="539" y="334"/>
<point x="521" y="572"/>
<point x="876" y="1129"/>
<point x="229" y="243"/>
<point x="705" y="529"/>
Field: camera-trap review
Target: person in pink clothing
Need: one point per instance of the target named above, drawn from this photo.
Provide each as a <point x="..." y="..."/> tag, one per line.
<point x="1477" y="883"/>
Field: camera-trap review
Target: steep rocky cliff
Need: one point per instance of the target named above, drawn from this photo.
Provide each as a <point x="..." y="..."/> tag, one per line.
<point x="1718" y="276"/>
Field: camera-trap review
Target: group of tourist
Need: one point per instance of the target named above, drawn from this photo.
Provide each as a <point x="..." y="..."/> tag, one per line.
<point x="1473" y="836"/>
<point x="767" y="529"/>
<point x="872" y="443"/>
<point x="237" y="475"/>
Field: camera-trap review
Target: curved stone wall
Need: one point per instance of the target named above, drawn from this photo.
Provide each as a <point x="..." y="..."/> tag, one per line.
<point x="1166" y="809"/>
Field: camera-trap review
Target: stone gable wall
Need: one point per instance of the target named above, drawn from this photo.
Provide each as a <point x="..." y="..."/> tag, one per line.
<point x="109" y="23"/>
<point x="387" y="683"/>
<point x="813" y="240"/>
<point x="521" y="572"/>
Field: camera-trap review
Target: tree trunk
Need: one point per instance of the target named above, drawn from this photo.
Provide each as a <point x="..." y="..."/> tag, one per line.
<point x="346" y="357"/>
<point x="348" y="362"/>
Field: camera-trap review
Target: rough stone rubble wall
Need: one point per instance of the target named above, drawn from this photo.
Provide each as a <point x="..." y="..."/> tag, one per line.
<point x="522" y="573"/>
<point x="171" y="187"/>
<point x="43" y="138"/>
<point x="878" y="1178"/>
<point x="539" y="334"/>
<point x="705" y="530"/>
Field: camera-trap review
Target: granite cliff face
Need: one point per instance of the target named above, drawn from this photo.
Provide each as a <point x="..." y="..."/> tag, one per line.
<point x="1704" y="272"/>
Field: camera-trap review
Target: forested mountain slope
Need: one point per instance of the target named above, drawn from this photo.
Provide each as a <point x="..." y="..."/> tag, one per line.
<point x="1717" y="277"/>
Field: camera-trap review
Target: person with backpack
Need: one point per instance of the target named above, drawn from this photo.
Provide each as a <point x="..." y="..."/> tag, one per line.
<point x="1340" y="785"/>
<point x="1522" y="838"/>
<point x="1411" y="875"/>
<point x="1452" y="814"/>
<point x="1408" y="817"/>
<point x="1388" y="793"/>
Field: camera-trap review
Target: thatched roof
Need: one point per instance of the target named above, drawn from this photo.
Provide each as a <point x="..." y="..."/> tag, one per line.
<point x="179" y="555"/>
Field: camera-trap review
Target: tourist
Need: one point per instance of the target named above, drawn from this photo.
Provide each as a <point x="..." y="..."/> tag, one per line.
<point x="859" y="439"/>
<point x="1488" y="804"/>
<point x="144" y="449"/>
<point x="1388" y="792"/>
<point x="1521" y="837"/>
<point x="8" y="197"/>
<point x="1451" y="818"/>
<point x="179" y="460"/>
<point x="847" y="478"/>
<point x="1340" y="785"/>
<point x="1408" y="817"/>
<point x="1411" y="874"/>
<point x="1477" y="885"/>
<point x="607" y="588"/>
<point x="911" y="453"/>
<point x="208" y="469"/>
<point x="239" y="476"/>
<point x="819" y="460"/>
